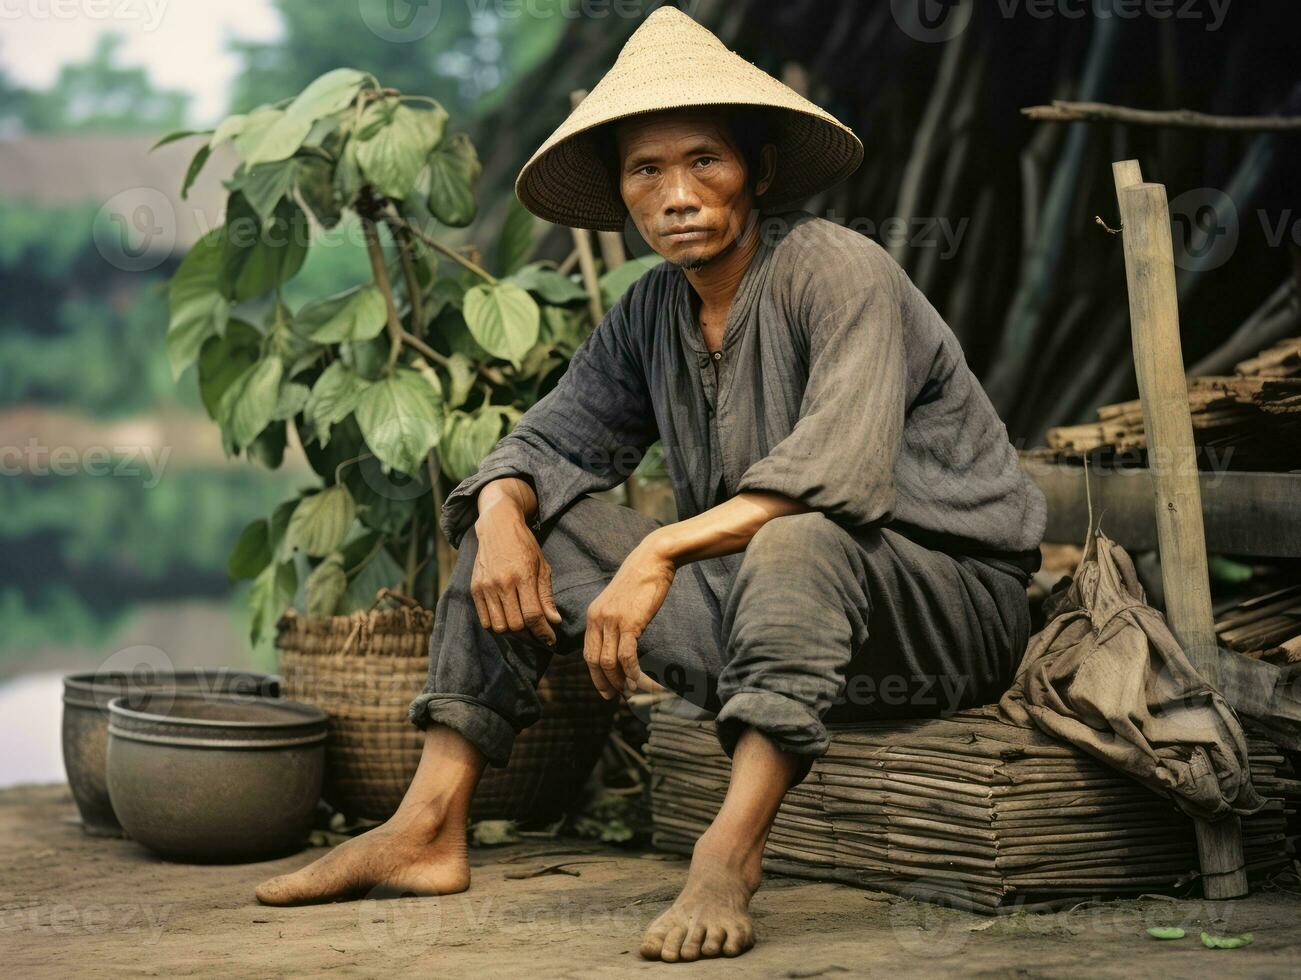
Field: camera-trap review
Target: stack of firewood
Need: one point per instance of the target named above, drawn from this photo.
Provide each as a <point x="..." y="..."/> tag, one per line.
<point x="966" y="811"/>
<point x="1250" y="420"/>
<point x="1266" y="627"/>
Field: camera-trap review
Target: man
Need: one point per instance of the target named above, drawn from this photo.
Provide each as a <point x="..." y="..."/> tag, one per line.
<point x="853" y="516"/>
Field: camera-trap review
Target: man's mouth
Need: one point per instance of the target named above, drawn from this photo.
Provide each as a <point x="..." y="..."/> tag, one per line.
<point x="686" y="233"/>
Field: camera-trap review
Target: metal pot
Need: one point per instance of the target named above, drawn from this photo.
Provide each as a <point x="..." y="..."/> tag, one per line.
<point x="216" y="778"/>
<point x="85" y="723"/>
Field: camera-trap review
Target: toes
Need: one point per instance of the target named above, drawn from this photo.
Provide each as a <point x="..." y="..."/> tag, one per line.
<point x="653" y="941"/>
<point x="271" y="891"/>
<point x="714" y="939"/>
<point x="691" y="947"/>
<point x="740" y="937"/>
<point x="671" y="951"/>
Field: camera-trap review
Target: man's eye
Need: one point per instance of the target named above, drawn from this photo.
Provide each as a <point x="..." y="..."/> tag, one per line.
<point x="648" y="170"/>
<point x="707" y="160"/>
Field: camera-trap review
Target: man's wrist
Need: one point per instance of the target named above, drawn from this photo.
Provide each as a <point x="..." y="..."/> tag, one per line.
<point x="496" y="502"/>
<point x="662" y="545"/>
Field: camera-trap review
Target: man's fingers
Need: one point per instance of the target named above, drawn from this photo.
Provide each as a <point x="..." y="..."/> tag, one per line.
<point x="534" y="619"/>
<point x="592" y="656"/>
<point x="628" y="658"/>
<point x="545" y="595"/>
<point x="495" y="613"/>
<point x="610" y="658"/>
<point x="481" y="607"/>
<point x="510" y="606"/>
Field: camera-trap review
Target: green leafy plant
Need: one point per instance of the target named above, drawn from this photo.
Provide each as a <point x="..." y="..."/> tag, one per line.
<point x="393" y="386"/>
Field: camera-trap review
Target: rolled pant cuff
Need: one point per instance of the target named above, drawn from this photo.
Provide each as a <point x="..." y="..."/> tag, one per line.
<point x="490" y="733"/>
<point x="791" y="726"/>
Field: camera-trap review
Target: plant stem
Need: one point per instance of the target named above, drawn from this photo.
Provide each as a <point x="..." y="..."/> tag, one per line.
<point x="405" y="247"/>
<point x="397" y="221"/>
<point x="380" y="272"/>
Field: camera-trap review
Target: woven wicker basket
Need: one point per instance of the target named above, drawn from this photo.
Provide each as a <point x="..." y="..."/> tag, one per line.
<point x="364" y="669"/>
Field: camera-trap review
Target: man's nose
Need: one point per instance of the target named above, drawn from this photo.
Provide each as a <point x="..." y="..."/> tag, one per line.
<point x="680" y="194"/>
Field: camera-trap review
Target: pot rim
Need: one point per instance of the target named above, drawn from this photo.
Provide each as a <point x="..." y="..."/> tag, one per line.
<point x="89" y="681"/>
<point x="311" y="715"/>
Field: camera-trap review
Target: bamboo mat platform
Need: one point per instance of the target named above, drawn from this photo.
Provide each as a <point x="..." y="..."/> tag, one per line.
<point x="966" y="811"/>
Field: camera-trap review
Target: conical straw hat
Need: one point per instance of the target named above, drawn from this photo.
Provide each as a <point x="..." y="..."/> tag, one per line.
<point x="672" y="62"/>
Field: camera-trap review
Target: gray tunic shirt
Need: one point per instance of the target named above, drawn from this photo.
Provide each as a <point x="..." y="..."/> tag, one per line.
<point x="838" y="385"/>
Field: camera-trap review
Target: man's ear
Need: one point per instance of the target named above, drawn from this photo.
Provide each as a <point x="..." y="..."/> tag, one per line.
<point x="767" y="169"/>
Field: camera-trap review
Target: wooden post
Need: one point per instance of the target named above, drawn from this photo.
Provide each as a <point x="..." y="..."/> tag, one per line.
<point x="1172" y="458"/>
<point x="583" y="243"/>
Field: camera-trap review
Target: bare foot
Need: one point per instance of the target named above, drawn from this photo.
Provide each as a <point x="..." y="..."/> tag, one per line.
<point x="711" y="916"/>
<point x="410" y="854"/>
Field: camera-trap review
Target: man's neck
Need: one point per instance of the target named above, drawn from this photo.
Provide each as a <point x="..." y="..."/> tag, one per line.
<point x="717" y="281"/>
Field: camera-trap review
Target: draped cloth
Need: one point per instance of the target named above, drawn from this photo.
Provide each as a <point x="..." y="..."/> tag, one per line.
<point x="1108" y="676"/>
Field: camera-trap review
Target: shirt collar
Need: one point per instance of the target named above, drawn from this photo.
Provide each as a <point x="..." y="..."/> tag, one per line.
<point x="745" y="295"/>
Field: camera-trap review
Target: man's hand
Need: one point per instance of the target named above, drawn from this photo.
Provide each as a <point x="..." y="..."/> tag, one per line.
<point x="619" y="615"/>
<point x="511" y="580"/>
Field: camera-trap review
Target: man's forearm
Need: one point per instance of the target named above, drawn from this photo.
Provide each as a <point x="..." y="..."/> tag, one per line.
<point x="510" y="494"/>
<point x="722" y="530"/>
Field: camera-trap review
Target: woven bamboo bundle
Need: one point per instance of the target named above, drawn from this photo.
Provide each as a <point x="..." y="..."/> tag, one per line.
<point x="967" y="810"/>
<point x="365" y="668"/>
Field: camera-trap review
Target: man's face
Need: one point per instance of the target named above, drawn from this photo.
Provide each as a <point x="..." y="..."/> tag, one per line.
<point x="683" y="180"/>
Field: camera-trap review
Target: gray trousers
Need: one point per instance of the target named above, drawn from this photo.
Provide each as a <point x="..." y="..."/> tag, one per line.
<point x="816" y="625"/>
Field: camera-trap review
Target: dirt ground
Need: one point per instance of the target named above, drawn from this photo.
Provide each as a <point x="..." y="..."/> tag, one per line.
<point x="72" y="905"/>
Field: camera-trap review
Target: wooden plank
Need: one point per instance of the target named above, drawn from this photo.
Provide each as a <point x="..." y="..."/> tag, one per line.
<point x="1172" y="455"/>
<point x="1244" y="513"/>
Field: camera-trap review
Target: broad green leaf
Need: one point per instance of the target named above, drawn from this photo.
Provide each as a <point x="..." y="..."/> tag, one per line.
<point x="466" y="440"/>
<point x="271" y="134"/>
<point x="565" y="329"/>
<point x="264" y="185"/>
<point x="277" y="528"/>
<point x="228" y="129"/>
<point x="401" y="419"/>
<point x="354" y="314"/>
<point x="503" y="319"/>
<point x="273" y="590"/>
<point x="617" y="281"/>
<point x="293" y="397"/>
<point x="1226" y="942"/>
<point x="258" y="256"/>
<point x="196" y="306"/>
<point x="326" y="94"/>
<point x="223" y="359"/>
<point x="249" y="403"/>
<point x="322" y="521"/>
<point x="179" y="134"/>
<point x="1166" y="932"/>
<point x="268" y="448"/>
<point x="516" y="242"/>
<point x="548" y="284"/>
<point x="454" y="170"/>
<point x="334" y="396"/>
<point x="252" y="551"/>
<point x="394" y="153"/>
<point x="348" y="178"/>
<point x="192" y="171"/>
<point x="386" y="501"/>
<point x="326" y="586"/>
<point x="316" y="186"/>
<point x="381" y="572"/>
<point x="463" y="375"/>
<point x="442" y="294"/>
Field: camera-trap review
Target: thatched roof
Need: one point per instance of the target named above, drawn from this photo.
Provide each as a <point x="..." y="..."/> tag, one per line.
<point x="119" y="172"/>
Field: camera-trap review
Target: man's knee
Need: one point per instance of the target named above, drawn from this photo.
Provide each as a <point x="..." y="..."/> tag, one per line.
<point x="787" y="542"/>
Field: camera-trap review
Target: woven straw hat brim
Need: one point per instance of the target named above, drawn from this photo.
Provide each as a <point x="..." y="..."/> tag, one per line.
<point x="671" y="62"/>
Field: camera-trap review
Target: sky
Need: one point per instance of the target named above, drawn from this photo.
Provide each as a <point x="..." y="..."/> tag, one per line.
<point x="182" y="43"/>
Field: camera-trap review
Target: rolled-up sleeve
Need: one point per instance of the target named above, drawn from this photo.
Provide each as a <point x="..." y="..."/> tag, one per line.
<point x="586" y="435"/>
<point x="839" y="458"/>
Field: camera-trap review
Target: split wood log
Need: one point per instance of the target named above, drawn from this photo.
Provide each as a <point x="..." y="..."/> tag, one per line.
<point x="1159" y="365"/>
